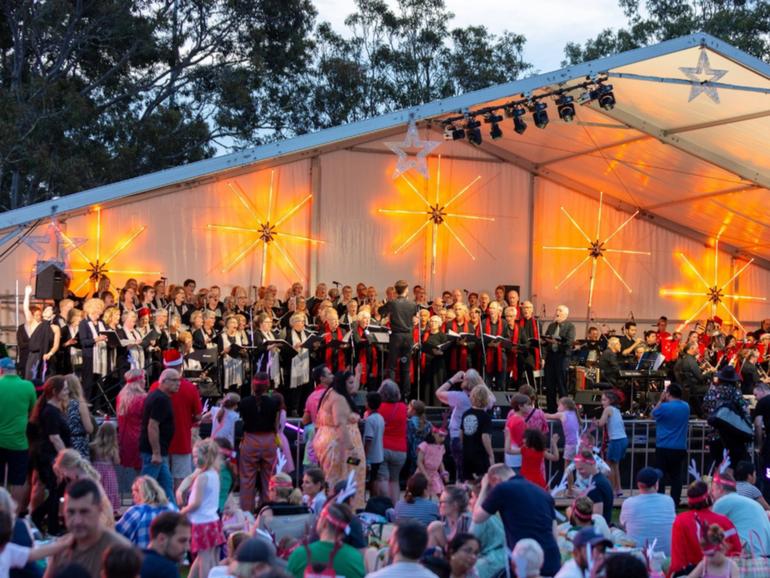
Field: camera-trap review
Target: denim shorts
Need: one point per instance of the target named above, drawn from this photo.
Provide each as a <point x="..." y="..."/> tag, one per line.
<point x="617" y="449"/>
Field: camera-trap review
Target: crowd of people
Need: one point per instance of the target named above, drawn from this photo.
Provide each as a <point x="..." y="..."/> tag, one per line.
<point x="224" y="483"/>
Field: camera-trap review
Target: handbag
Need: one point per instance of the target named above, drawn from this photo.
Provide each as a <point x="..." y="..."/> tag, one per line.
<point x="731" y="424"/>
<point x="753" y="563"/>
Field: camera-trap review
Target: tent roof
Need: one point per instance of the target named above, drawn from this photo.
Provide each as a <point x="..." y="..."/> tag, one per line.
<point x="698" y="166"/>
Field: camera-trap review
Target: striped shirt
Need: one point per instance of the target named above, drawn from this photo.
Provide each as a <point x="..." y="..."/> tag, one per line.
<point x="422" y="510"/>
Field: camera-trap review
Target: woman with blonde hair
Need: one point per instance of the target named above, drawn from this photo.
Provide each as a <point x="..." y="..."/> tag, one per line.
<point x="79" y="417"/>
<point x="130" y="405"/>
<point x="70" y="466"/>
<point x="149" y="501"/>
<point x="90" y="340"/>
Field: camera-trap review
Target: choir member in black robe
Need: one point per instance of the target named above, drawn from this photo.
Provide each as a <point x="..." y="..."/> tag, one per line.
<point x="435" y="370"/>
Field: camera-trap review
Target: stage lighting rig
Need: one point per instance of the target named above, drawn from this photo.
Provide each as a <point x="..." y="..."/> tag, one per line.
<point x="473" y="130"/>
<point x="605" y="96"/>
<point x="495" y="132"/>
<point x="539" y="113"/>
<point x="566" y="107"/>
<point x="451" y="132"/>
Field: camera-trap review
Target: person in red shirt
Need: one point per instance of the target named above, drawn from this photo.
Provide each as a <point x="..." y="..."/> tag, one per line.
<point x="686" y="549"/>
<point x="393" y="411"/>
<point x="515" y="425"/>
<point x="322" y="377"/>
<point x="534" y="454"/>
<point x="187" y="407"/>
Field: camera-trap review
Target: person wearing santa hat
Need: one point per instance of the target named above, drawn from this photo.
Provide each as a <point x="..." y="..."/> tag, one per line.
<point x="187" y="408"/>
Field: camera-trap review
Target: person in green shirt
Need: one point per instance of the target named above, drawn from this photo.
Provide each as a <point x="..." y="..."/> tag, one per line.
<point x="329" y="549"/>
<point x="17" y="398"/>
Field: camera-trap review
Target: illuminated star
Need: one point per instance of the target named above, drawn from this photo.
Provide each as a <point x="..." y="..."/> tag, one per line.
<point x="264" y="230"/>
<point x="702" y="75"/>
<point x="53" y="237"/>
<point x="412" y="141"/>
<point x="597" y="250"/>
<point x="437" y="215"/>
<point x="714" y="292"/>
<point x="96" y="267"/>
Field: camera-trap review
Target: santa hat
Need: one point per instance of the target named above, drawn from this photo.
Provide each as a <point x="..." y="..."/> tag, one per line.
<point x="172" y="358"/>
<point x="717" y="320"/>
<point x="144" y="312"/>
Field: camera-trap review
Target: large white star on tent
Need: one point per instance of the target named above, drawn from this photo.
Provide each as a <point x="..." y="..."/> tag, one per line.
<point x="55" y="238"/>
<point x="412" y="141"/>
<point x="702" y="74"/>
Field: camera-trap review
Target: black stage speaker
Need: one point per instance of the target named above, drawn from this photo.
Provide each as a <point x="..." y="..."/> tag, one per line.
<point x="50" y="281"/>
<point x="591" y="400"/>
<point x="503" y="398"/>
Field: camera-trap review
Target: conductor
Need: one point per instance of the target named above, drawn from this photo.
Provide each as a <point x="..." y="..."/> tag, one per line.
<point x="401" y="314"/>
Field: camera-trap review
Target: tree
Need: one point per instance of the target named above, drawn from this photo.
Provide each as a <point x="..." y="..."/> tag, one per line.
<point x="743" y="23"/>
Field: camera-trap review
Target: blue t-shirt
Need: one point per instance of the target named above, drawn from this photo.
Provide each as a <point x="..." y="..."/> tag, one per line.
<point x="156" y="566"/>
<point x="672" y="419"/>
<point x="507" y="499"/>
<point x="602" y="493"/>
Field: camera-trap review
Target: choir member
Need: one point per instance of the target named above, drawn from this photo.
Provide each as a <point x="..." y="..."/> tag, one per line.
<point x="484" y="303"/>
<point x="315" y="301"/>
<point x="189" y="291"/>
<point x="214" y="306"/>
<point x="494" y="357"/>
<point x="512" y="300"/>
<point x="511" y="332"/>
<point x="90" y="340"/>
<point x="365" y="352"/>
<point x="268" y="355"/>
<point x="229" y="343"/>
<point x="203" y="336"/>
<point x="335" y="346"/>
<point x="435" y="368"/>
<point x="346" y="297"/>
<point x="297" y="366"/>
<point x="127" y="299"/>
<point x="529" y="344"/>
<point x="350" y="314"/>
<point x="73" y="356"/>
<point x="460" y="352"/>
<point x="148" y="298"/>
<point x="186" y="345"/>
<point x="160" y="293"/>
<point x="500" y="295"/>
<point x="178" y="306"/>
<point x="559" y="336"/>
<point x="44" y="339"/>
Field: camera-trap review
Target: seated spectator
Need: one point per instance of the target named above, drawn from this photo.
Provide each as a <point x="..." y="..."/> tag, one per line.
<point x="15" y="556"/>
<point x="170" y="535"/>
<point x="455" y="517"/>
<point x="581" y="515"/>
<point x="234" y="540"/>
<point x="121" y="562"/>
<point x="527" y="558"/>
<point x="747" y="515"/>
<point x="746" y="483"/>
<point x="685" y="547"/>
<point x="493" y="555"/>
<point x="577" y="567"/>
<point x="329" y="551"/>
<point x="715" y="563"/>
<point x="254" y="558"/>
<point x="622" y="565"/>
<point x="284" y="516"/>
<point x="601" y="494"/>
<point x="149" y="501"/>
<point x="407" y="543"/>
<point x="462" y="552"/>
<point x="313" y="488"/>
<point x="414" y="504"/>
<point x="648" y="516"/>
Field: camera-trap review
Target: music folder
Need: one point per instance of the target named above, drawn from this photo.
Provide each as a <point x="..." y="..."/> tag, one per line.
<point x="204" y="356"/>
<point x="113" y="340"/>
<point x="310" y="342"/>
<point x="280" y="343"/>
<point x="498" y="339"/>
<point x="149" y="338"/>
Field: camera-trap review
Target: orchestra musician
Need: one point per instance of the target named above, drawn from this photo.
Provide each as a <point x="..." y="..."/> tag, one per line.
<point x="609" y="363"/>
<point x="593" y="346"/>
<point x="401" y="313"/>
<point x="629" y="341"/>
<point x="751" y="373"/>
<point x="493" y="352"/>
<point x="528" y="357"/>
<point x="559" y="337"/>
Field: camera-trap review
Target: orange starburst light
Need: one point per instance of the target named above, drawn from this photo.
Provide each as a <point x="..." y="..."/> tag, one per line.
<point x="714" y="293"/>
<point x="597" y="249"/>
<point x="95" y="266"/>
<point x="437" y="216"/>
<point x="264" y="230"/>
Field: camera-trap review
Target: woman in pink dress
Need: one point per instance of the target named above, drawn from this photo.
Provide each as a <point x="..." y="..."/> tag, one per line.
<point x="130" y="404"/>
<point x="430" y="461"/>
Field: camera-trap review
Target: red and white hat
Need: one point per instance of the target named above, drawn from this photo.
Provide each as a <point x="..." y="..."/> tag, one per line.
<point x="172" y="358"/>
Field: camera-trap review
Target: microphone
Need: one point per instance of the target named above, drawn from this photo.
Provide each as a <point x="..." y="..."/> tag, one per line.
<point x="336" y="283"/>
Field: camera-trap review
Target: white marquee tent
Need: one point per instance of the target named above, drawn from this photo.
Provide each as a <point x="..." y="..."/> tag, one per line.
<point x="686" y="145"/>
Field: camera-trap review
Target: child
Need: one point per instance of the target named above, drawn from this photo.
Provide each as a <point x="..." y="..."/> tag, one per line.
<point x="430" y="461"/>
<point x="417" y="430"/>
<point x="201" y="509"/>
<point x="104" y="456"/>
<point x="228" y="470"/>
<point x="715" y="564"/>
<point x="285" y="447"/>
<point x="534" y="454"/>
<point x="374" y="429"/>
<point x="313" y="486"/>
<point x="223" y="425"/>
<point x="234" y="519"/>
<point x="587" y="441"/>
<point x="570" y="422"/>
<point x="616" y="432"/>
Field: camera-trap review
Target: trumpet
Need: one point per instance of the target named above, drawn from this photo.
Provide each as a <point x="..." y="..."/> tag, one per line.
<point x="706" y="367"/>
<point x="762" y="374"/>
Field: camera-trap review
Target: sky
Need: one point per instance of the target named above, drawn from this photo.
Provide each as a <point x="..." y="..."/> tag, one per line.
<point x="547" y="24"/>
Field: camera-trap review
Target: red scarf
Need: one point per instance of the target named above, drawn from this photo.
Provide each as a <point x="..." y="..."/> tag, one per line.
<point x="363" y="355"/>
<point x="494" y="352"/>
<point x="458" y="360"/>
<point x="328" y="354"/>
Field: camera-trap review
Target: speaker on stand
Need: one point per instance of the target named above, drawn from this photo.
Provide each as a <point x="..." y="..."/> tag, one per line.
<point x="50" y="281"/>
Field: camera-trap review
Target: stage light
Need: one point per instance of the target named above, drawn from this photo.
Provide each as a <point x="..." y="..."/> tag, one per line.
<point x="539" y="114"/>
<point x="566" y="108"/>
<point x="473" y="131"/>
<point x="517" y="113"/>
<point x="605" y="96"/>
<point x="451" y="132"/>
<point x="495" y="132"/>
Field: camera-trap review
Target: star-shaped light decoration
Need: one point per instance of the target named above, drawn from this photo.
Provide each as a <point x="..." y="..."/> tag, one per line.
<point x="437" y="215"/>
<point x="703" y="75"/>
<point x="95" y="266"/>
<point x="597" y="250"/>
<point x="264" y="230"/>
<point x="412" y="141"/>
<point x="54" y="238"/>
<point x="714" y="293"/>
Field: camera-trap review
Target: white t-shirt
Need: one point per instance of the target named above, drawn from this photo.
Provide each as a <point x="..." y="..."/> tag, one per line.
<point x="647" y="517"/>
<point x="570" y="570"/>
<point x="374" y="429"/>
<point x="13" y="556"/>
<point x="225" y="428"/>
<point x="207" y="511"/>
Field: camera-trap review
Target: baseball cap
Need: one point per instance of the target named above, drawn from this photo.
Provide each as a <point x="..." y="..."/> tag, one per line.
<point x="648" y="476"/>
<point x="256" y="550"/>
<point x="7" y="363"/>
<point x="590" y="536"/>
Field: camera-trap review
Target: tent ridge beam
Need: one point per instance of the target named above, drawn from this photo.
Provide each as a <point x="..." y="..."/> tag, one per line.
<point x="730" y="191"/>
<point x="596" y="149"/>
<point x="715" y="123"/>
<point x="687" y="82"/>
